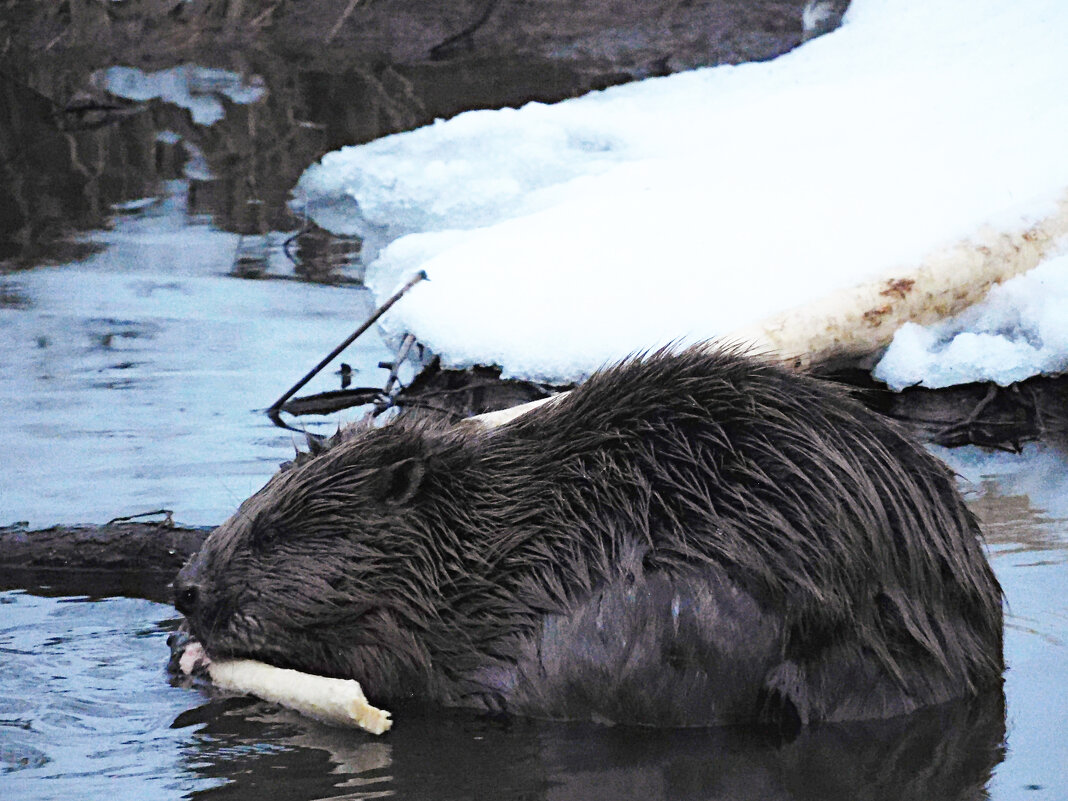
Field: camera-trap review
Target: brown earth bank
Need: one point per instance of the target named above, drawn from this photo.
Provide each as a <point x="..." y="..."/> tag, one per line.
<point x="636" y="39"/>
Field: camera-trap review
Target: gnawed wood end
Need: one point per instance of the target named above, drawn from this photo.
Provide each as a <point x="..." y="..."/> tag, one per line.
<point x="855" y="322"/>
<point x="338" y="702"/>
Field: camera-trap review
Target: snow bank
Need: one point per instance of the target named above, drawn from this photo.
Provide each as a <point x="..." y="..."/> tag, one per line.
<point x="1019" y="330"/>
<point x="708" y="203"/>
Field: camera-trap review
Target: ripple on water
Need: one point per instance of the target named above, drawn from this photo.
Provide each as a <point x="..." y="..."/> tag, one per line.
<point x="86" y="708"/>
<point x="145" y="369"/>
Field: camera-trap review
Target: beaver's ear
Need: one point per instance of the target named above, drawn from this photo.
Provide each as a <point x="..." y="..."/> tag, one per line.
<point x="398" y="483"/>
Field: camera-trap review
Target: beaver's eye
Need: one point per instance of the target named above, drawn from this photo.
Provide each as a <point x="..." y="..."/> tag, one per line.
<point x="264" y="537"/>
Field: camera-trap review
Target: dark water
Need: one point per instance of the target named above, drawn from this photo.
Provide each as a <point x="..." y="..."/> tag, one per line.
<point x="78" y="138"/>
<point x="86" y="711"/>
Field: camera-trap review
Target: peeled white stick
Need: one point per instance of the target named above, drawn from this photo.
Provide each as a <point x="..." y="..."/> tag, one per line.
<point x="340" y="702"/>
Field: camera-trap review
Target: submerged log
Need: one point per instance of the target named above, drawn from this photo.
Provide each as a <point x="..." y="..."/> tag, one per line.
<point x="155" y="548"/>
<point x="130" y="559"/>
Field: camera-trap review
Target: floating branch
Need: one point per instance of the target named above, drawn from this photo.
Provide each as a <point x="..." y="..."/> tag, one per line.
<point x="330" y="402"/>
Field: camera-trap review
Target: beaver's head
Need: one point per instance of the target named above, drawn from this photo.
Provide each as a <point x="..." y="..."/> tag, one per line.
<point x="334" y="567"/>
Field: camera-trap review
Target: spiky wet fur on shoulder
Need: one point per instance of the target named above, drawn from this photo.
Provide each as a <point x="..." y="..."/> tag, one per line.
<point x="688" y="538"/>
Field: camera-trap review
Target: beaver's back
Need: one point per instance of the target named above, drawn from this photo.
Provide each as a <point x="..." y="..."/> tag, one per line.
<point x="827" y="563"/>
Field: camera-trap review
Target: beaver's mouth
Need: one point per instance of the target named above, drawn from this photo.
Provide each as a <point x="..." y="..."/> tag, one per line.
<point x="190" y="660"/>
<point x="193" y="660"/>
<point x="223" y="635"/>
<point x="190" y="657"/>
<point x="192" y="654"/>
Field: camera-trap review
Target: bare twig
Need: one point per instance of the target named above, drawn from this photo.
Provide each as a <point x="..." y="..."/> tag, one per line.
<point x="272" y="411"/>
<point x="947" y="434"/>
<point x="334" y="401"/>
<point x="402" y="354"/>
<point x="258" y="21"/>
<point x="442" y="49"/>
<point x="285" y="245"/>
<point x="167" y="521"/>
<point x="342" y="20"/>
<point x="388" y="398"/>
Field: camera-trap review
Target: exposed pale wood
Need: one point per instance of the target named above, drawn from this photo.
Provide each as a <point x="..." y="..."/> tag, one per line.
<point x="339" y="702"/>
<point x="858" y="321"/>
<point x="862" y="319"/>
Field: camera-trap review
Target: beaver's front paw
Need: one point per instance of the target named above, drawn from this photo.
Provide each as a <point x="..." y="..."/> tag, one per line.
<point x="188" y="658"/>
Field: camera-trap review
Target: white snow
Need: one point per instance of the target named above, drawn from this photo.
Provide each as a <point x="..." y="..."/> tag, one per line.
<point x="1020" y="330"/>
<point x="559" y="237"/>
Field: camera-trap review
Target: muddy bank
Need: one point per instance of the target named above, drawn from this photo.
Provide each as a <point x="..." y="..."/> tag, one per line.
<point x="634" y="39"/>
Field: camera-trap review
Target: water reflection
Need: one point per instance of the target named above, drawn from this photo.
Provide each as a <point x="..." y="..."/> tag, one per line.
<point x="80" y="142"/>
<point x="945" y="753"/>
<point x="49" y="192"/>
<point x="144" y="369"/>
<point x="138" y="366"/>
<point x="1022" y="502"/>
<point x="199" y="90"/>
<point x="83" y="712"/>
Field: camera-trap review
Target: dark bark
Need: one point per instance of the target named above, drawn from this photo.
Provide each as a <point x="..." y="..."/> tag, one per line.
<point x="988" y="415"/>
<point x="455" y="394"/>
<point x="981" y="414"/>
<point x="153" y="548"/>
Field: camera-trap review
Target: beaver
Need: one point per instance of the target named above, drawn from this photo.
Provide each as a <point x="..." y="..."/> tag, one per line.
<point x="691" y="537"/>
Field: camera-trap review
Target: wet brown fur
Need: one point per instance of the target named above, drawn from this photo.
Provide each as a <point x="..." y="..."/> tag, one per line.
<point x="689" y="538"/>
